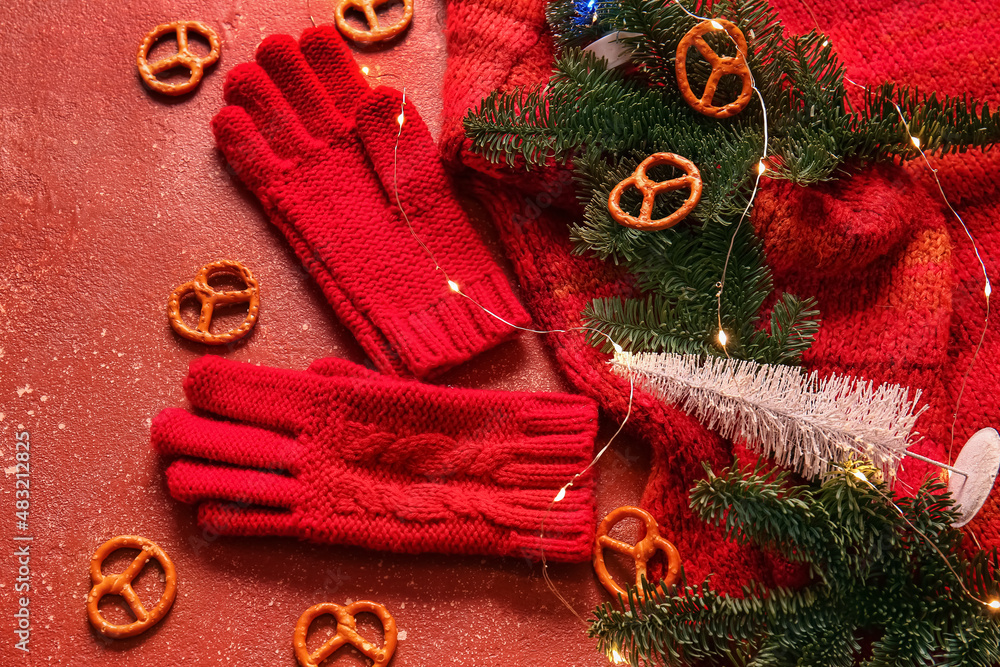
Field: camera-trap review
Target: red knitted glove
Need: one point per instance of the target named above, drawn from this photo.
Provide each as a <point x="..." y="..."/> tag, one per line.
<point x="317" y="146"/>
<point x="342" y="455"/>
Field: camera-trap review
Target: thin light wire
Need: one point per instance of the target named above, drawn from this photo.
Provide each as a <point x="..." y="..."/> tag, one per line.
<point x="545" y="569"/>
<point x="401" y="119"/>
<point x="987" y="286"/>
<point x="453" y="286"/>
<point x="753" y="195"/>
<point x="857" y="474"/>
<point x="691" y="14"/>
<point x="761" y="168"/>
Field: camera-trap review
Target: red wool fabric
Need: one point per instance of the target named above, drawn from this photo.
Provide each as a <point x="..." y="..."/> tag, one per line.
<point x="315" y="144"/>
<point x="342" y="455"/>
<point x="897" y="281"/>
<point x="910" y="305"/>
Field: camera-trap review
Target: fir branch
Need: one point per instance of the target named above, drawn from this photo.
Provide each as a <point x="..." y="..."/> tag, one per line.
<point x="903" y="598"/>
<point x="794" y="325"/>
<point x="643" y="324"/>
<point x="805" y="423"/>
<point x="578" y="21"/>
<point x="762" y="508"/>
<point x="948" y="125"/>
<point x="607" y="121"/>
<point x="680" y="268"/>
<point x="511" y="126"/>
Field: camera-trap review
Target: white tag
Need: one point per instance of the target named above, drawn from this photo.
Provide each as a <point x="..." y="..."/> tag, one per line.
<point x="609" y="48"/>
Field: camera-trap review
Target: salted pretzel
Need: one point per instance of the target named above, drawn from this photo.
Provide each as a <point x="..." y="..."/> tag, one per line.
<point x="640" y="552"/>
<point x="347" y="633"/>
<point x="183" y="58"/>
<point x="210" y="298"/>
<point x="375" y="32"/>
<point x="721" y="66"/>
<point x="121" y="584"/>
<point x="650" y="188"/>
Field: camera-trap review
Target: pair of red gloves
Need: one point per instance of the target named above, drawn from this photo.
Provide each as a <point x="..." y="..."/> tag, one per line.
<point x="339" y="454"/>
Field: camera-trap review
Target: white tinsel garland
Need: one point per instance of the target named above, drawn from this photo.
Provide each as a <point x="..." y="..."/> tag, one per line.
<point x="803" y="422"/>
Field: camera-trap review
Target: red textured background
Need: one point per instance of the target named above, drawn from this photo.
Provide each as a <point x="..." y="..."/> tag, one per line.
<point x="110" y="196"/>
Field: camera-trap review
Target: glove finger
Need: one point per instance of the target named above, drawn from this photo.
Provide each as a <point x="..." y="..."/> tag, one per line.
<point x="371" y="339"/>
<point x="280" y="57"/>
<point x="231" y="519"/>
<point x="412" y="170"/>
<point x="177" y="432"/>
<point x="330" y="58"/>
<point x="269" y="397"/>
<point x="246" y="150"/>
<point x="191" y="481"/>
<point x="248" y="86"/>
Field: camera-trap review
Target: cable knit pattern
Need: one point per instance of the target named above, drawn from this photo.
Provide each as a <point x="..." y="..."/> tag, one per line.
<point x="315" y="144"/>
<point x="898" y="284"/>
<point x="338" y="454"/>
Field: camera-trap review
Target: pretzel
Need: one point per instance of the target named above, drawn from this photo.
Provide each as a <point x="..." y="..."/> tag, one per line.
<point x="210" y="297"/>
<point x="183" y="58"/>
<point x="347" y="633"/>
<point x="649" y="190"/>
<point x="640" y="552"/>
<point x="721" y="66"/>
<point x="375" y="32"/>
<point x="121" y="584"/>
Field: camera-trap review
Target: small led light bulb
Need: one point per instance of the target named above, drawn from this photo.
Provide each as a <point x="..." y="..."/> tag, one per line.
<point x="716" y="25"/>
<point x="365" y="70"/>
<point x="860" y="475"/>
<point x="916" y="141"/>
<point x="723" y="338"/>
<point x="993" y="604"/>
<point x="989" y="289"/>
<point x="453" y="286"/>
<point x="560" y="495"/>
<point x="400" y="118"/>
<point x="618" y="348"/>
<point x="616" y="658"/>
<point x="761" y="167"/>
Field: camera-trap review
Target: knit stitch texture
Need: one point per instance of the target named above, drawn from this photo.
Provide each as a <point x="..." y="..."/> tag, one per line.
<point x="316" y="145"/>
<point x="342" y="455"/>
<point x="896" y="279"/>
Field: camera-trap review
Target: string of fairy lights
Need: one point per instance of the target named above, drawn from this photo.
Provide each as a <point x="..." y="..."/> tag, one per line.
<point x="987" y="285"/>
<point x="761" y="170"/>
<point x="454" y="287"/>
<point x="721" y="336"/>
